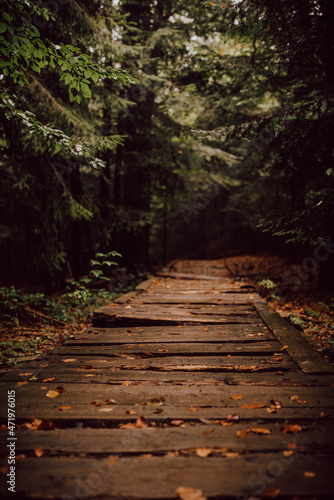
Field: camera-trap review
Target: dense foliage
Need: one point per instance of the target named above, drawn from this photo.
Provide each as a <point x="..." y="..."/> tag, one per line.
<point x="224" y="129"/>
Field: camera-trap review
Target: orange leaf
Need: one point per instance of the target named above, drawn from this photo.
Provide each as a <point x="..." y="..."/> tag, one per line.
<point x="206" y="433"/>
<point x="49" y="379"/>
<point x="141" y="423"/>
<point x="252" y="406"/>
<point x="293" y="429"/>
<point x="176" y="422"/>
<point x="293" y="398"/>
<point x="259" y="430"/>
<point x="127" y="383"/>
<point x="65" y="407"/>
<point x="193" y="408"/>
<point x="241" y="434"/>
<point x="185" y="493"/>
<point x="131" y="412"/>
<point x="204" y="452"/>
<point x="272" y="493"/>
<point x="309" y="474"/>
<point x="52" y="394"/>
<point x="237" y="396"/>
<point x="38" y="452"/>
<point x="225" y="423"/>
<point x="21" y="382"/>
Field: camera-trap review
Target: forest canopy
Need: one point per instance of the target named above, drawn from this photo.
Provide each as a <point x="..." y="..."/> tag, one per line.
<point x="161" y="129"/>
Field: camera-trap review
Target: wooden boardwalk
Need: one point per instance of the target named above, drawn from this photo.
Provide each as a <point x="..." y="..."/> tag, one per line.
<point x="189" y="387"/>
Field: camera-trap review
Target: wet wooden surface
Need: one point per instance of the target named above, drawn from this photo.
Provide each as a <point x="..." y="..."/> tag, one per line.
<point x="181" y="383"/>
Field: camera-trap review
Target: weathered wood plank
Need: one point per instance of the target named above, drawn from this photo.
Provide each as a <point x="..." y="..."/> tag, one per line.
<point x="163" y="349"/>
<point x="322" y="397"/>
<point x="164" y="439"/>
<point x="138" y="315"/>
<point x="228" y="363"/>
<point x="159" y="477"/>
<point x="111" y="415"/>
<point x="304" y="354"/>
<point x="198" y="298"/>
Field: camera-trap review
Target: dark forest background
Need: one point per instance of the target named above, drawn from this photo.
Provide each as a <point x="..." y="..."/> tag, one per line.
<point x="164" y="129"/>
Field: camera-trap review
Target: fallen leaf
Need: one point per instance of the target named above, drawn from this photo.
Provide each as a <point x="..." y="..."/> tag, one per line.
<point x="4" y="470"/>
<point x="237" y="396"/>
<point x="112" y="460"/>
<point x="52" y="394"/>
<point x="225" y="423"/>
<point x="276" y="403"/>
<point x="51" y="379"/>
<point x="43" y="388"/>
<point x="204" y="452"/>
<point x="60" y="389"/>
<point x="193" y="408"/>
<point x="278" y="358"/>
<point x="284" y="347"/>
<point x="278" y="373"/>
<point x="185" y="493"/>
<point x="229" y="356"/>
<point x="259" y="430"/>
<point x="271" y="410"/>
<point x="33" y="378"/>
<point x="24" y="374"/>
<point x="131" y="412"/>
<point x="141" y="423"/>
<point x="233" y="417"/>
<point x="294" y="397"/>
<point x="241" y="434"/>
<point x="292" y="429"/>
<point x="252" y="406"/>
<point x="162" y="350"/>
<point x="38" y="452"/>
<point x="323" y="414"/>
<point x="206" y="433"/>
<point x="106" y="410"/>
<point x="309" y="474"/>
<point x="21" y="383"/>
<point x="301" y="402"/>
<point x="65" y="407"/>
<point x="176" y="422"/>
<point x="127" y="383"/>
<point x="68" y="360"/>
<point x="292" y="446"/>
<point x="288" y="453"/>
<point x="146" y="455"/>
<point x="272" y="492"/>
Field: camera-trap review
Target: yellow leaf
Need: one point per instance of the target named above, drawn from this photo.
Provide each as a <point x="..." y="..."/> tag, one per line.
<point x="309" y="474"/>
<point x="252" y="406"/>
<point x="185" y="493"/>
<point x="52" y="394"/>
<point x="204" y="452"/>
<point x="259" y="430"/>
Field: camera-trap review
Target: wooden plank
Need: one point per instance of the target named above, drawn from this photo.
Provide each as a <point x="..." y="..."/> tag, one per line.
<point x="307" y="358"/>
<point x="159" y="477"/>
<point x="224" y="363"/>
<point x="291" y="378"/>
<point x="163" y="349"/>
<point x="199" y="298"/>
<point x="188" y="276"/>
<point x="248" y="333"/>
<point x="112" y="415"/>
<point x="164" y="439"/>
<point x="320" y="397"/>
<point x="145" y="285"/>
<point x="154" y="314"/>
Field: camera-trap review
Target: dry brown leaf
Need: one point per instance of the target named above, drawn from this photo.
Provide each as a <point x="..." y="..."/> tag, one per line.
<point x="131" y="412"/>
<point x="233" y="417"/>
<point x="204" y="452"/>
<point x="38" y="452"/>
<point x="141" y="423"/>
<point x="162" y="350"/>
<point x="225" y="423"/>
<point x="252" y="406"/>
<point x="185" y="493"/>
<point x="51" y="379"/>
<point x="301" y="402"/>
<point x="294" y="398"/>
<point x="288" y="453"/>
<point x="284" y="347"/>
<point x="278" y="358"/>
<point x="292" y="429"/>
<point x="193" y="408"/>
<point x="127" y="383"/>
<point x="276" y="403"/>
<point x="323" y="414"/>
<point x="259" y="430"/>
<point x="292" y="446"/>
<point x="237" y="396"/>
<point x="176" y="422"/>
<point x="271" y="410"/>
<point x="25" y="374"/>
<point x="146" y="455"/>
<point x="68" y="360"/>
<point x="309" y="474"/>
<point x="206" y="433"/>
<point x="65" y="407"/>
<point x="241" y="434"/>
<point x="52" y="394"/>
<point x="272" y="493"/>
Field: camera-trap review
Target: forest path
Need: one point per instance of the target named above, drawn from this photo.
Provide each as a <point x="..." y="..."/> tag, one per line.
<point x="188" y="387"/>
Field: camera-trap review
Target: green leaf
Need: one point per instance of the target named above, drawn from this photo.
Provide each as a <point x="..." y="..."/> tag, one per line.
<point x="3" y="27"/>
<point x="86" y="92"/>
<point x="96" y="272"/>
